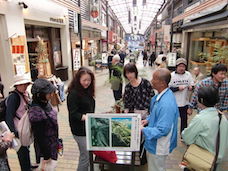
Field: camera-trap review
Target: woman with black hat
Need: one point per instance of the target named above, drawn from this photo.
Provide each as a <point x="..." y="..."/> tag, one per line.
<point x="44" y="124"/>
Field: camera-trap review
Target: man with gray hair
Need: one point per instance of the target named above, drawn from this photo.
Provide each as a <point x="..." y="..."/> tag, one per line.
<point x="197" y="75"/>
<point x="116" y="77"/>
<point x="161" y="132"/>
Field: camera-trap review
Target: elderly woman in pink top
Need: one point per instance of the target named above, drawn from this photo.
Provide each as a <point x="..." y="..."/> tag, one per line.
<point x="16" y="107"/>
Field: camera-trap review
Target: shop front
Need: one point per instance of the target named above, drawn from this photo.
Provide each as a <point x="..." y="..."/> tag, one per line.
<point x="13" y="47"/>
<point x="51" y="38"/>
<point x="49" y="26"/>
<point x="206" y="38"/>
<point x="23" y="29"/>
<point x="91" y="45"/>
<point x="208" y="47"/>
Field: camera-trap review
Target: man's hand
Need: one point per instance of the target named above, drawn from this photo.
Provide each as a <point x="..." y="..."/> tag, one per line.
<point x="190" y="88"/>
<point x="189" y="111"/>
<point x="144" y="122"/>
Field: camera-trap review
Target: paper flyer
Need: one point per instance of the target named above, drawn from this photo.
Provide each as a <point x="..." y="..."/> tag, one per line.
<point x="4" y="128"/>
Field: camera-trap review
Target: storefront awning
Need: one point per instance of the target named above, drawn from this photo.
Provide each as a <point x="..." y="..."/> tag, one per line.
<point x="210" y="18"/>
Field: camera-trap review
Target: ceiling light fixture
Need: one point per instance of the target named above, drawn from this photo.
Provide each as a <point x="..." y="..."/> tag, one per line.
<point x="22" y="5"/>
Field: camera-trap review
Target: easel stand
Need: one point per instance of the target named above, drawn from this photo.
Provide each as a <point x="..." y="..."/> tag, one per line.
<point x="128" y="159"/>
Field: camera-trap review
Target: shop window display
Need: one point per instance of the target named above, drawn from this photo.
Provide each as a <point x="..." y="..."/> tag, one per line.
<point x="206" y="51"/>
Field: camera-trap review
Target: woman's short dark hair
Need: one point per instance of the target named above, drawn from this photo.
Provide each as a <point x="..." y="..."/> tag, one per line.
<point x="218" y="67"/>
<point x="130" y="68"/>
<point x="39" y="97"/>
<point x="75" y="83"/>
<point x="208" y="96"/>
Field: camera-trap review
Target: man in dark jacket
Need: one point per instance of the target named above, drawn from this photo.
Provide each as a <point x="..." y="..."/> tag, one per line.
<point x="122" y="55"/>
<point x="152" y="58"/>
<point x="113" y="52"/>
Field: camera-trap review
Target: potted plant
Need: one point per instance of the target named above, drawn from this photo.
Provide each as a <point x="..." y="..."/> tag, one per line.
<point x="220" y="54"/>
<point x="119" y="106"/>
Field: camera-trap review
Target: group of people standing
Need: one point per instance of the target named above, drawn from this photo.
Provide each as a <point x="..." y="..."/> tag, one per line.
<point x="159" y="112"/>
<point x="160" y="115"/>
<point x="43" y="119"/>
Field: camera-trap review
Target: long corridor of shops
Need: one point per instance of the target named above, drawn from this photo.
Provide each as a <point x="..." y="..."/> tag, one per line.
<point x="104" y="102"/>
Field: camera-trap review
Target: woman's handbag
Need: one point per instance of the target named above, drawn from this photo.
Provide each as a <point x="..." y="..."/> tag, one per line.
<point x="198" y="159"/>
<point x="109" y="156"/>
<point x="55" y="99"/>
<point x="60" y="146"/>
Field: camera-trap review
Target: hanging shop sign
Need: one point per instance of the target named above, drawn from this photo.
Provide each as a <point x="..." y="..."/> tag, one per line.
<point x="95" y="15"/>
<point x="75" y="22"/>
<point x="172" y="59"/>
<point x="76" y="59"/>
<point x="20" y="58"/>
<point x="94" y="12"/>
<point x="110" y="36"/>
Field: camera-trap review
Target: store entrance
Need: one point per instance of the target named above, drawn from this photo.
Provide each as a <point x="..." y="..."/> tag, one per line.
<point x="51" y="39"/>
<point x="33" y="57"/>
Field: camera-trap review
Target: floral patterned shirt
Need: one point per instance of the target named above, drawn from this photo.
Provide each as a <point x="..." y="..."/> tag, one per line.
<point x="138" y="98"/>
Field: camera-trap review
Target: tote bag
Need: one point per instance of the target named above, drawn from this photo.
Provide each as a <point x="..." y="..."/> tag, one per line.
<point x="198" y="158"/>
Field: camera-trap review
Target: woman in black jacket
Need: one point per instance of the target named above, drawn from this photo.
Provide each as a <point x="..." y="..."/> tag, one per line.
<point x="43" y="119"/>
<point x="80" y="101"/>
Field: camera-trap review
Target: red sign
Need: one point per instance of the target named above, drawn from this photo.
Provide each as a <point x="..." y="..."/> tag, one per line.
<point x="16" y="49"/>
<point x="152" y="39"/>
<point x="110" y="36"/>
<point x="94" y="12"/>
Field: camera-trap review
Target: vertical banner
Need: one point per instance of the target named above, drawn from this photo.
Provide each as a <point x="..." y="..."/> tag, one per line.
<point x="20" y="55"/>
<point x="76" y="59"/>
<point x="75" y="22"/>
<point x="95" y="11"/>
<point x="172" y="59"/>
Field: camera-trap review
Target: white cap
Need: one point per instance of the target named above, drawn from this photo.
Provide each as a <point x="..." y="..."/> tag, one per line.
<point x="22" y="79"/>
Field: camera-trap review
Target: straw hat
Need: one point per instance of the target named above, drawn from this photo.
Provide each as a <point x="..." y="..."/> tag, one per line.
<point x="21" y="79"/>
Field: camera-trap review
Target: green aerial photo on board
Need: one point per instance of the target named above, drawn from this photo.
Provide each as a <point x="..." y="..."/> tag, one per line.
<point x="121" y="132"/>
<point x="100" y="132"/>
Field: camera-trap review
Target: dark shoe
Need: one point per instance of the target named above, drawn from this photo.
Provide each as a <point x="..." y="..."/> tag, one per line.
<point x="34" y="166"/>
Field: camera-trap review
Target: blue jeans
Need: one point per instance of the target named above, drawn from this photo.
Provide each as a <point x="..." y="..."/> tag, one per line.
<point x="61" y="92"/>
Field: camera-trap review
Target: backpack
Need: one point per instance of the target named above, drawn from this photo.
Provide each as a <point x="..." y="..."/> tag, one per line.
<point x="3" y="105"/>
<point x="25" y="130"/>
<point x="2" y="110"/>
